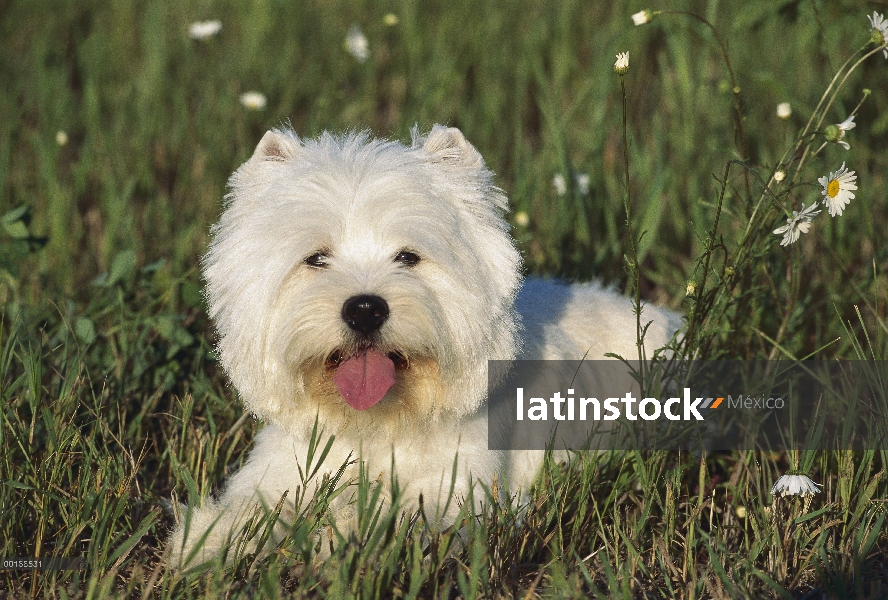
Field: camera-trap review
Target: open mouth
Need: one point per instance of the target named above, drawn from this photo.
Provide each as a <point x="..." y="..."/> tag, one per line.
<point x="399" y="360"/>
<point x="364" y="378"/>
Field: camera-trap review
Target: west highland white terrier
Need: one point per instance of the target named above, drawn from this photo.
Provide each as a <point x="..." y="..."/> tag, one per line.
<point x="363" y="285"/>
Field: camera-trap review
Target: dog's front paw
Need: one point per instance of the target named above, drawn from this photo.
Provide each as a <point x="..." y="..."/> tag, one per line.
<point x="220" y="533"/>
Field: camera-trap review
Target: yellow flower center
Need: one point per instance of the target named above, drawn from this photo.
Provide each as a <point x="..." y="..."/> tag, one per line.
<point x="833" y="188"/>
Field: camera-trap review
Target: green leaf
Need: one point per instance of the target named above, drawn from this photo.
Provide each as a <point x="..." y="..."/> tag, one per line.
<point x="15" y="222"/>
<point x="16" y="229"/>
<point x="18" y="485"/>
<point x="123" y="265"/>
<point x="719" y="569"/>
<point x="813" y="515"/>
<point x="137" y="535"/>
<point x="19" y="213"/>
<point x="772" y="584"/>
<point x="157" y="264"/>
<point x="85" y="330"/>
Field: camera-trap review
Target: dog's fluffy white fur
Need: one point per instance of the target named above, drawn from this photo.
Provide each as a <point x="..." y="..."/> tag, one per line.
<point x="308" y="226"/>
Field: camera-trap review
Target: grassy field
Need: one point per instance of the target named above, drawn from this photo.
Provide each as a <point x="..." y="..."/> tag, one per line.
<point x="118" y="133"/>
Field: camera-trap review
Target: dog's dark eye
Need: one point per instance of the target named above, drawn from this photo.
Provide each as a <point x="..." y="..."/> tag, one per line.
<point x="317" y="260"/>
<point x="407" y="258"/>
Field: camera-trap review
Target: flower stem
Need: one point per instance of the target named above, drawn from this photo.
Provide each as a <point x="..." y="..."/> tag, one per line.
<point x="829" y="96"/>
<point x="634" y="269"/>
<point x="740" y="138"/>
<point x="710" y="243"/>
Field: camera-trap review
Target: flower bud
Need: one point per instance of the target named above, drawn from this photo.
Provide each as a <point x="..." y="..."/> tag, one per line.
<point x="833" y="133"/>
<point x="642" y="17"/>
<point x="621" y="67"/>
<point x="784" y="110"/>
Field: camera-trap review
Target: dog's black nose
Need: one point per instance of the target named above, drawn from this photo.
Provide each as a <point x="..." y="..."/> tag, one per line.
<point x="365" y="314"/>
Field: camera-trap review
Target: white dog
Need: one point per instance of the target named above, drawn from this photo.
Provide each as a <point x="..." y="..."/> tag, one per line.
<point x="365" y="284"/>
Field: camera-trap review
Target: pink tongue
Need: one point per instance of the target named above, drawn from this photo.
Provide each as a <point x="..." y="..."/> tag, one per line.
<point x="364" y="379"/>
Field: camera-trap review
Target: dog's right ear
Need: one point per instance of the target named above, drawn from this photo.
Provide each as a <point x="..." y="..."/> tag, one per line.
<point x="277" y="145"/>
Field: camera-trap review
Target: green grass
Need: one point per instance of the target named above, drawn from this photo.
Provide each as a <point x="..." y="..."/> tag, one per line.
<point x="112" y="401"/>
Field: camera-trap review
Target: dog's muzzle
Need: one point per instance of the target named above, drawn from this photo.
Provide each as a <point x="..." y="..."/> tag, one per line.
<point x="365" y="313"/>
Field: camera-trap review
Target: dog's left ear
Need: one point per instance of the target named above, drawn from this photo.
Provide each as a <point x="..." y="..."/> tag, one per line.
<point x="277" y="145"/>
<point x="449" y="145"/>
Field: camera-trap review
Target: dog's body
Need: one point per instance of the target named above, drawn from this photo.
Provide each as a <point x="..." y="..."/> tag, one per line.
<point x="364" y="285"/>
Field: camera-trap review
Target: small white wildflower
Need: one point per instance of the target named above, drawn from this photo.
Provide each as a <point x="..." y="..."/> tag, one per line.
<point x="204" y="29"/>
<point x="521" y="219"/>
<point x="835" y="133"/>
<point x="838" y="190"/>
<point x="784" y="111"/>
<point x="799" y="223"/>
<point x="690" y="288"/>
<point x="61" y="138"/>
<point x="560" y="185"/>
<point x="582" y="180"/>
<point x="621" y="67"/>
<point x="253" y="100"/>
<point x="879" y="33"/>
<point x="390" y="20"/>
<point x="740" y="511"/>
<point x="794" y="483"/>
<point x="779" y="175"/>
<point x="356" y="43"/>
<point x="642" y="17"/>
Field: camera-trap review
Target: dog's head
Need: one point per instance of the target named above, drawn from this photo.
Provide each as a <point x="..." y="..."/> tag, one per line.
<point x="362" y="281"/>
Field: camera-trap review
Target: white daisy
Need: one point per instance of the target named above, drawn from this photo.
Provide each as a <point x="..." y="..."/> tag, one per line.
<point x="642" y="17"/>
<point x="879" y="34"/>
<point x="784" y="111"/>
<point x="799" y="223"/>
<point x="253" y="100"/>
<point x="835" y="133"/>
<point x="204" y="29"/>
<point x="560" y="185"/>
<point x="621" y="67"/>
<point x="838" y="190"/>
<point x="779" y="175"/>
<point x="356" y="43"/>
<point x="794" y="483"/>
